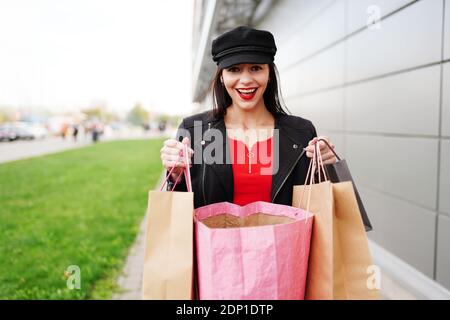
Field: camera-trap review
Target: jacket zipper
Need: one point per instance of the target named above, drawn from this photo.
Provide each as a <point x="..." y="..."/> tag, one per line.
<point x="289" y="173"/>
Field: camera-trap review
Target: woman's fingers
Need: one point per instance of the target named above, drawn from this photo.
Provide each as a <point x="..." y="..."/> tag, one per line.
<point x="169" y="150"/>
<point x="329" y="158"/>
<point x="169" y="164"/>
<point x="330" y="161"/>
<point x="173" y="144"/>
<point x="171" y="154"/>
<point x="172" y="151"/>
<point x="325" y="151"/>
<point x="174" y="159"/>
<point x="310" y="149"/>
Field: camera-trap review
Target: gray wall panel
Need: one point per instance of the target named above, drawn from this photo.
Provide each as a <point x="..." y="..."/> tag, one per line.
<point x="360" y="12"/>
<point x="444" y="179"/>
<point x="324" y="109"/>
<point x="406" y="230"/>
<point x="290" y="16"/>
<point x="322" y="71"/>
<point x="325" y="28"/>
<point x="344" y="87"/>
<point x="384" y="104"/>
<point x="446" y="100"/>
<point x="410" y="38"/>
<point x="443" y="251"/>
<point x="447" y="30"/>
<point x="403" y="167"/>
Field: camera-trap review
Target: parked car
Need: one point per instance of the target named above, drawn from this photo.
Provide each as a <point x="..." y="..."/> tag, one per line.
<point x="38" y="131"/>
<point x="28" y="131"/>
<point x="7" y="134"/>
<point x="21" y="130"/>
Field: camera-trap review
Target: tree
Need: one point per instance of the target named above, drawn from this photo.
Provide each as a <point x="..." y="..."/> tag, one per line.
<point x="5" y="115"/>
<point x="138" y="115"/>
<point x="94" y="112"/>
<point x="99" y="111"/>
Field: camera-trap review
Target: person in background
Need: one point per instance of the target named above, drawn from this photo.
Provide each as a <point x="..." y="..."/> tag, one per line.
<point x="75" y="132"/>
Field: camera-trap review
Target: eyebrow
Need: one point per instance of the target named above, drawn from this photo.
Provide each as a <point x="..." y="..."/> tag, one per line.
<point x="242" y="64"/>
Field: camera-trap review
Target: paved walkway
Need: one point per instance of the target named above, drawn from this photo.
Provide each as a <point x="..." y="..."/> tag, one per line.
<point x="130" y="281"/>
<point x="16" y="150"/>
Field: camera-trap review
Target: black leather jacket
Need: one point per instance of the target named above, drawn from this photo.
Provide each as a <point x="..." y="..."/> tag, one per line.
<point x="213" y="182"/>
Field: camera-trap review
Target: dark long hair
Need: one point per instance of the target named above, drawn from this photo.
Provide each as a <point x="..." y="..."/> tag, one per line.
<point x="272" y="96"/>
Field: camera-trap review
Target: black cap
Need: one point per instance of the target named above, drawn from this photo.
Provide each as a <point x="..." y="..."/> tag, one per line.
<point x="243" y="45"/>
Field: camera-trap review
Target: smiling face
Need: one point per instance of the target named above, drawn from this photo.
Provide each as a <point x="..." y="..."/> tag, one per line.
<point x="246" y="83"/>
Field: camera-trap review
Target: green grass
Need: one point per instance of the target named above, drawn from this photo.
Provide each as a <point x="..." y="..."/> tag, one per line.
<point x="80" y="207"/>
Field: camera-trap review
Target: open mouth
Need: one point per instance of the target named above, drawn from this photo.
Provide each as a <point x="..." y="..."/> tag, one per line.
<point x="247" y="94"/>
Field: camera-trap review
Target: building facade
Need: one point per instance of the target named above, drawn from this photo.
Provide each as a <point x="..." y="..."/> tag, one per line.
<point x="374" y="76"/>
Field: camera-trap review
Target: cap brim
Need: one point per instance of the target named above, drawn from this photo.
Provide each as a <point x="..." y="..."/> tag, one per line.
<point x="244" y="58"/>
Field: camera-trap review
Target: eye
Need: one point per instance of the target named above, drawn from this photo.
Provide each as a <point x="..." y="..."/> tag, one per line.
<point x="256" y="68"/>
<point x="233" y="69"/>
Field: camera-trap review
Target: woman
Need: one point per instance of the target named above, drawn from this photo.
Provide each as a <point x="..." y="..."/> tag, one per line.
<point x="247" y="148"/>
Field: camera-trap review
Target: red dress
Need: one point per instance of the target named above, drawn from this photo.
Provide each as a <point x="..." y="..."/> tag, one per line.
<point x="252" y="171"/>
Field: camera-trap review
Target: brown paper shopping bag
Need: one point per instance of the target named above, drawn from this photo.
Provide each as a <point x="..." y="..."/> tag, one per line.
<point x="339" y="172"/>
<point x="168" y="259"/>
<point x="339" y="260"/>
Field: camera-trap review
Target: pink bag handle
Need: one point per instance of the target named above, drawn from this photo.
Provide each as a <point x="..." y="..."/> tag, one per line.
<point x="318" y="154"/>
<point x="311" y="167"/>
<point x="186" y="172"/>
<point x="316" y="161"/>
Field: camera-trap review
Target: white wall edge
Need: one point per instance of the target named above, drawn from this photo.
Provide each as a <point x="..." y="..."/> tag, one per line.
<point x="405" y="276"/>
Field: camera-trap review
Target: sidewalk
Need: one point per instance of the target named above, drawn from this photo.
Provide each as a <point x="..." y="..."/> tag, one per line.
<point x="16" y="150"/>
<point x="130" y="281"/>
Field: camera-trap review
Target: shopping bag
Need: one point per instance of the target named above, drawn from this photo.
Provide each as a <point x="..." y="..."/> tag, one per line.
<point x="340" y="263"/>
<point x="339" y="172"/>
<point x="168" y="260"/>
<point x="257" y="251"/>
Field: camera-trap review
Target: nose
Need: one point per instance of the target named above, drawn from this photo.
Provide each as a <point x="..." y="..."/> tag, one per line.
<point x="246" y="78"/>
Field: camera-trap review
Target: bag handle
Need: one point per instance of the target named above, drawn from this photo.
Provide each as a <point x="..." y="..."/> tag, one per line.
<point x="332" y="150"/>
<point x="316" y="162"/>
<point x="310" y="176"/>
<point x="186" y="172"/>
<point x="320" y="165"/>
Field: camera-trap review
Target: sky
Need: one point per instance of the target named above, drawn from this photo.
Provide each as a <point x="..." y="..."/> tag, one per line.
<point x="61" y="55"/>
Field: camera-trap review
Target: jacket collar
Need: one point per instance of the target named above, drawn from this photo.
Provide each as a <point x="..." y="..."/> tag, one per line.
<point x="290" y="150"/>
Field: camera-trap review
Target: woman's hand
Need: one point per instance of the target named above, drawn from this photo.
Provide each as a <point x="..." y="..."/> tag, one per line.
<point x="328" y="156"/>
<point x="171" y="156"/>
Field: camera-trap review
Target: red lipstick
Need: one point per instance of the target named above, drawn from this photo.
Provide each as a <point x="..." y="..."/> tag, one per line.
<point x="246" y="94"/>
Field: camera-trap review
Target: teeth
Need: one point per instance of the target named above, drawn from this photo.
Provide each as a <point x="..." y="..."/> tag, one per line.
<point x="246" y="91"/>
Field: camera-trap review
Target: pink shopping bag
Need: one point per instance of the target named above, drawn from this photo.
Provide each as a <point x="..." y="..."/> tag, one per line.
<point x="257" y="251"/>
